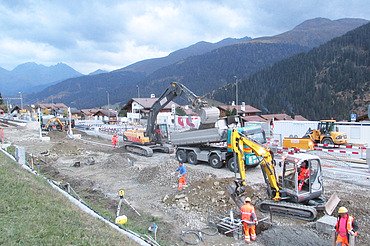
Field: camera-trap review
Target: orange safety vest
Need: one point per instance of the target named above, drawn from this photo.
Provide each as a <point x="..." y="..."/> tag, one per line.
<point x="304" y="174"/>
<point x="349" y="221"/>
<point x="248" y="214"/>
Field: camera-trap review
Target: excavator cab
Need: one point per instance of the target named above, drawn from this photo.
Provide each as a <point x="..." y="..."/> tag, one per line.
<point x="301" y="179"/>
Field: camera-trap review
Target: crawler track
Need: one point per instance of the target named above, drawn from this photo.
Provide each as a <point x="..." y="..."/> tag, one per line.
<point x="294" y="210"/>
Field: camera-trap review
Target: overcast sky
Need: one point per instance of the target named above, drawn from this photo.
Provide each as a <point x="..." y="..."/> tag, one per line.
<point x="89" y="35"/>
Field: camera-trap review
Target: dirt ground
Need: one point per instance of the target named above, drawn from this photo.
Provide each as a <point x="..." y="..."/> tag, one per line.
<point x="97" y="171"/>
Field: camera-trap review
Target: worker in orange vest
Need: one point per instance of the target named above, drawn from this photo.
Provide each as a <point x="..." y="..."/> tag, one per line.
<point x="344" y="227"/>
<point x="114" y="140"/>
<point x="304" y="174"/>
<point x="249" y="219"/>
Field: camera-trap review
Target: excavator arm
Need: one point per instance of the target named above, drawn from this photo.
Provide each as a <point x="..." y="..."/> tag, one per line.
<point x="238" y="141"/>
<point x="173" y="91"/>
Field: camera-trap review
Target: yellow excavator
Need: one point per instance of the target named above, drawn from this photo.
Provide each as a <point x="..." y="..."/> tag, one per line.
<point x="290" y="194"/>
<point x="54" y="124"/>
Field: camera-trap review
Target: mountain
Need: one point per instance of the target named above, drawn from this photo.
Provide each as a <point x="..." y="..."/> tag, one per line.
<point x="150" y="65"/>
<point x="330" y="81"/>
<point x="200" y="72"/>
<point x="314" y="32"/>
<point x="90" y="90"/>
<point x="99" y="71"/>
<point x="28" y="75"/>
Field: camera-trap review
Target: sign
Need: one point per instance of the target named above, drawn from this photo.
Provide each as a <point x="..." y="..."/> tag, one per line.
<point x="353" y="117"/>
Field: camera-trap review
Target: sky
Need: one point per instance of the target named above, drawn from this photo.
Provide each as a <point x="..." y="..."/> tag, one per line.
<point x="91" y="34"/>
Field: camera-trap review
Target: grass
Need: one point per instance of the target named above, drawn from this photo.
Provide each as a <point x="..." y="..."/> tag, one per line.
<point x="32" y="213"/>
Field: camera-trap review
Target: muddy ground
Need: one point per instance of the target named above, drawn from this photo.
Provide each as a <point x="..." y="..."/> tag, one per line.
<point x="97" y="171"/>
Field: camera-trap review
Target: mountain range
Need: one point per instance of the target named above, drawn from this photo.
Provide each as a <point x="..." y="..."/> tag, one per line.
<point x="30" y="76"/>
<point x="202" y="67"/>
<point x="331" y="81"/>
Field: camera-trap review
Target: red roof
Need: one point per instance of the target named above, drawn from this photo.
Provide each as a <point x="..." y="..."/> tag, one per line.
<point x="254" y="118"/>
<point x="300" y="118"/>
<point x="277" y="117"/>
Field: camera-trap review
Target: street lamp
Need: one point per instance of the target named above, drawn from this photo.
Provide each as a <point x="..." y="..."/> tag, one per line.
<point x="20" y="95"/>
<point x="236" y="90"/>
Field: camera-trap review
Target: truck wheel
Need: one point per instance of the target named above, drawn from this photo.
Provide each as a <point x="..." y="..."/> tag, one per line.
<point x="231" y="164"/>
<point x="181" y="155"/>
<point x="192" y="158"/>
<point x="215" y="161"/>
<point x="327" y="141"/>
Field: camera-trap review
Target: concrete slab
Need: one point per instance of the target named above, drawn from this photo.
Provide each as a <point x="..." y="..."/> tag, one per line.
<point x="326" y="224"/>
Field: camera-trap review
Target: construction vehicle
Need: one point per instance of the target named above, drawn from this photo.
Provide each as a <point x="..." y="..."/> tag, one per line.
<point x="53" y="124"/>
<point x="326" y="133"/>
<point x="153" y="138"/>
<point x="213" y="145"/>
<point x="285" y="195"/>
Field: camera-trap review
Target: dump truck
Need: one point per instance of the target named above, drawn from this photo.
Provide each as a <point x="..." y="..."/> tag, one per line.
<point x="145" y="141"/>
<point x="213" y="145"/>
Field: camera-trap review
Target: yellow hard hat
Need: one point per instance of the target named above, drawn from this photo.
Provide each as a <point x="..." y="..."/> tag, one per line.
<point x="248" y="199"/>
<point x="342" y="210"/>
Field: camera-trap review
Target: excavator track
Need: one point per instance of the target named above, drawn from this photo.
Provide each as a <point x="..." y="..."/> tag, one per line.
<point x="139" y="149"/>
<point x="294" y="210"/>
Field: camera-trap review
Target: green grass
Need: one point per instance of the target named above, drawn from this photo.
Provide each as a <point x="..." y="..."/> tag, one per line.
<point x="32" y="213"/>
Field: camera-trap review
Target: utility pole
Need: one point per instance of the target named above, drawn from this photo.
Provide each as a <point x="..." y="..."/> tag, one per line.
<point x="236" y="90"/>
<point x="108" y="106"/>
<point x="20" y="94"/>
<point x="138" y="92"/>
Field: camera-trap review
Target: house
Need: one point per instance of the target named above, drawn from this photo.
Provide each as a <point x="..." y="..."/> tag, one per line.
<point x="53" y="108"/>
<point x="269" y="117"/>
<point x="139" y="108"/>
<point x="253" y="118"/>
<point x="88" y="114"/>
<point x="105" y="114"/>
<point x="300" y="118"/>
<point x="242" y="110"/>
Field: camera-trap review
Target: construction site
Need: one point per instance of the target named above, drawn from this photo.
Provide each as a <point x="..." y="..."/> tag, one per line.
<point x="135" y="185"/>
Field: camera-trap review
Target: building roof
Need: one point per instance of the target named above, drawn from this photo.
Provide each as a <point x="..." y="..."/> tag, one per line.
<point x="106" y="112"/>
<point x="254" y="118"/>
<point x="90" y="111"/>
<point x="276" y="117"/>
<point x="247" y="109"/>
<point x="300" y="118"/>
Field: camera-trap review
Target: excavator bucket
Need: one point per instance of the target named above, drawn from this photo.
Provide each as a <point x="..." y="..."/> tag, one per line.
<point x="235" y="192"/>
<point x="332" y="203"/>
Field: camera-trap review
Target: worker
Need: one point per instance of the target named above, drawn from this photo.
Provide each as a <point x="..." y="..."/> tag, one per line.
<point x="182" y="176"/>
<point x="249" y="219"/>
<point x="115" y="140"/>
<point x="304" y="174"/>
<point x="344" y="227"/>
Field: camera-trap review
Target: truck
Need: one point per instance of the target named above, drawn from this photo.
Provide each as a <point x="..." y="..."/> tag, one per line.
<point x="213" y="145"/>
<point x="145" y="141"/>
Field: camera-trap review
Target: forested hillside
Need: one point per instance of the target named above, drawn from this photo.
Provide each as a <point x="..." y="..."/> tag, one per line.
<point x="330" y="81"/>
